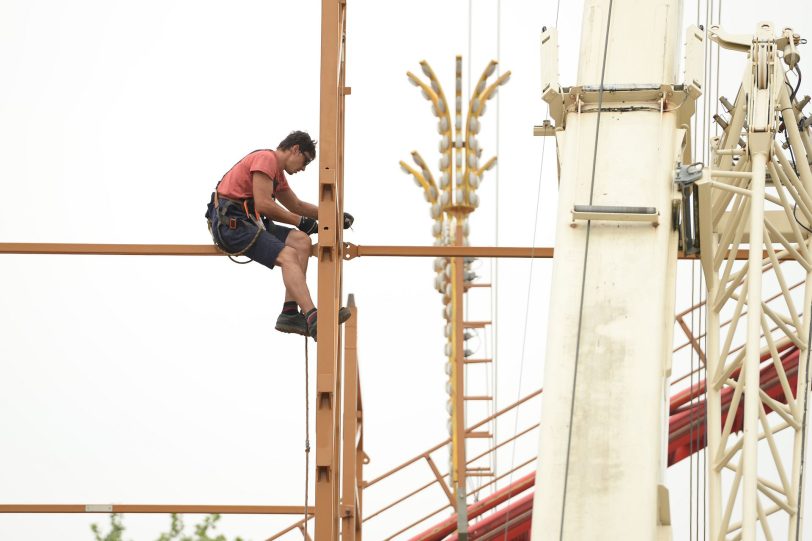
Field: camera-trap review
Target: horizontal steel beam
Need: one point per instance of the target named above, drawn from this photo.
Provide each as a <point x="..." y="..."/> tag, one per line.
<point x="107" y="249"/>
<point x="185" y="509"/>
<point x="351" y="251"/>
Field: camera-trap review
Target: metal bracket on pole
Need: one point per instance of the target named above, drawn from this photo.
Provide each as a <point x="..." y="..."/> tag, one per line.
<point x="686" y="211"/>
<point x="616" y="213"/>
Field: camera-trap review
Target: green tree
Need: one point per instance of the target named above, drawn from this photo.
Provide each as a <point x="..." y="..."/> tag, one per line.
<point x="203" y="531"/>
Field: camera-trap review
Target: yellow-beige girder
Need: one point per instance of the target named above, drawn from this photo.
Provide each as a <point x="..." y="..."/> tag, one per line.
<point x="755" y="483"/>
<point x="609" y="339"/>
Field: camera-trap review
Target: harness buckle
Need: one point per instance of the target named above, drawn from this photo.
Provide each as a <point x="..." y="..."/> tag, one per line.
<point x="232" y="223"/>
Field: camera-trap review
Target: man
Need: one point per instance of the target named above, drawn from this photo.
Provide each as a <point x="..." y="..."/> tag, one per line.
<point x="243" y="218"/>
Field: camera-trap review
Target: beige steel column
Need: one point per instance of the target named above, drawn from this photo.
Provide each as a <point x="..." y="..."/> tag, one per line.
<point x="329" y="266"/>
<point x="752" y="401"/>
<point x="802" y="386"/>
<point x="601" y="457"/>
<point x="713" y="397"/>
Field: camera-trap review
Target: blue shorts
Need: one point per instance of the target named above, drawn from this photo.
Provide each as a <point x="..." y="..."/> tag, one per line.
<point x="268" y="244"/>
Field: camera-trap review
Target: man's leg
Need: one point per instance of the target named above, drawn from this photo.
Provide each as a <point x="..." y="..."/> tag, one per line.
<point x="301" y="244"/>
<point x="293" y="275"/>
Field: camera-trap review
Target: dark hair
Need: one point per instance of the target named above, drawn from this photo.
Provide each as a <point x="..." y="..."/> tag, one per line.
<point x="306" y="144"/>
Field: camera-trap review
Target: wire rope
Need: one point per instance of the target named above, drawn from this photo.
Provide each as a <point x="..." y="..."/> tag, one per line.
<point x="695" y="152"/>
<point x="583" y="275"/>
<point x="703" y="313"/>
<point x="530" y="272"/>
<point x="691" y="409"/>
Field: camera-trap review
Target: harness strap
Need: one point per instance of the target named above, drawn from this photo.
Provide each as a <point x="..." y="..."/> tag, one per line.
<point x="231" y="221"/>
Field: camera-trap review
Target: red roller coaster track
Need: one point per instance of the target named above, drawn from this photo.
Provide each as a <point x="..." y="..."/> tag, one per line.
<point x="686" y="435"/>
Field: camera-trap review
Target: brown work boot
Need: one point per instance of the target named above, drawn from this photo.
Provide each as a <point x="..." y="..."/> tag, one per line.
<point x="312" y="320"/>
<point x="292" y="323"/>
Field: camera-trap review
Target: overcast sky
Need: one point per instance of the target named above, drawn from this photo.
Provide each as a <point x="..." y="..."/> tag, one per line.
<point x="161" y="380"/>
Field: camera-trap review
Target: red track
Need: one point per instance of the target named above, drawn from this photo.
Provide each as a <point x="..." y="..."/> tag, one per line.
<point x="686" y="435"/>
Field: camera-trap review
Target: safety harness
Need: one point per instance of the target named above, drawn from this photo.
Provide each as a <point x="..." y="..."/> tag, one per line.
<point x="221" y="206"/>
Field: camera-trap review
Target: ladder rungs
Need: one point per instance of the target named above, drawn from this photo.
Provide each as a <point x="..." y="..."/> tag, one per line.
<point x="468" y="285"/>
<point x="477" y="361"/>
<point x="478" y="435"/>
<point x="475" y="324"/>
<point x="477" y="397"/>
<point x="480" y="474"/>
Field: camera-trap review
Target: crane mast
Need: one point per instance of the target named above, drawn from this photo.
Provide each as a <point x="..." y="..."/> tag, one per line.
<point x="620" y="131"/>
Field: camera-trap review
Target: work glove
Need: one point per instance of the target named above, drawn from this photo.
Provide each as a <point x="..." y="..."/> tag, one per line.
<point x="348" y="220"/>
<point x="308" y="225"/>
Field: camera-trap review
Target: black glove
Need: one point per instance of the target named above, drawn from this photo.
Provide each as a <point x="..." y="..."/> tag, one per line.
<point x="348" y="220"/>
<point x="308" y="225"/>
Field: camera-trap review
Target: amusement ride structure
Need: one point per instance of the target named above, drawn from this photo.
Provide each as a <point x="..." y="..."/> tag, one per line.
<point x="635" y="196"/>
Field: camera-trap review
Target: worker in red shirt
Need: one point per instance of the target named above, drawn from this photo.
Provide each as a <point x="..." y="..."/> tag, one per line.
<point x="245" y="213"/>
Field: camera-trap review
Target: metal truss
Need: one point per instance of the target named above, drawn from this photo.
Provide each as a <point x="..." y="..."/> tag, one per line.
<point x="756" y="193"/>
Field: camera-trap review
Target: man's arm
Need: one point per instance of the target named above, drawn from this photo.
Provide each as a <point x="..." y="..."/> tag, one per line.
<point x="296" y="205"/>
<point x="265" y="204"/>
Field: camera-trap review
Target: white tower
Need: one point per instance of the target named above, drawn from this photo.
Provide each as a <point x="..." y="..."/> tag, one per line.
<point x="621" y="133"/>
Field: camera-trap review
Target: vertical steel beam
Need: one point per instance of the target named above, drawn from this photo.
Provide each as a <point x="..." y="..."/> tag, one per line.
<point x="360" y="459"/>
<point x="458" y="389"/>
<point x="329" y="266"/>
<point x="350" y="510"/>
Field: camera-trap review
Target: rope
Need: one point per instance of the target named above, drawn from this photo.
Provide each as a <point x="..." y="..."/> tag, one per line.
<point x="583" y="276"/>
<point x="307" y="434"/>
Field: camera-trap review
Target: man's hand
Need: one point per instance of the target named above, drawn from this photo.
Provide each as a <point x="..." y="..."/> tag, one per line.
<point x="348" y="220"/>
<point x="308" y="225"/>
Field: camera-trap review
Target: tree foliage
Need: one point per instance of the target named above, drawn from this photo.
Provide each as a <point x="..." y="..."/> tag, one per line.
<point x="203" y="531"/>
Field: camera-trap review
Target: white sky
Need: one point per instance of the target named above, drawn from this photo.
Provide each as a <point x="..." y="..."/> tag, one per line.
<point x="161" y="380"/>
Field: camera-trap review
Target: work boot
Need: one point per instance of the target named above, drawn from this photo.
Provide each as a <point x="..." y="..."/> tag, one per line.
<point x="292" y="323"/>
<point x="312" y="320"/>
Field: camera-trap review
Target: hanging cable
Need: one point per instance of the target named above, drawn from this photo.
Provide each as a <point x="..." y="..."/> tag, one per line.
<point x="693" y="298"/>
<point x="307" y="434"/>
<point x="526" y="317"/>
<point x="524" y="333"/>
<point x="703" y="315"/>
<point x="583" y="275"/>
<point x="690" y="409"/>
<point x="495" y="262"/>
<point x="797" y="86"/>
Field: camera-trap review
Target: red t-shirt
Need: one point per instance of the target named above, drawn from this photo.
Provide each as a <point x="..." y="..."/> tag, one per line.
<point x="238" y="182"/>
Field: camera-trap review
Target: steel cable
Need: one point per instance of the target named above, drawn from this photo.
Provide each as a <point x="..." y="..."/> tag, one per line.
<point x="583" y="275"/>
<point x="307" y="435"/>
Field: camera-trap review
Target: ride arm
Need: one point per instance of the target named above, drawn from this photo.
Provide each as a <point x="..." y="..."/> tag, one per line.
<point x="265" y="204"/>
<point x="292" y="202"/>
